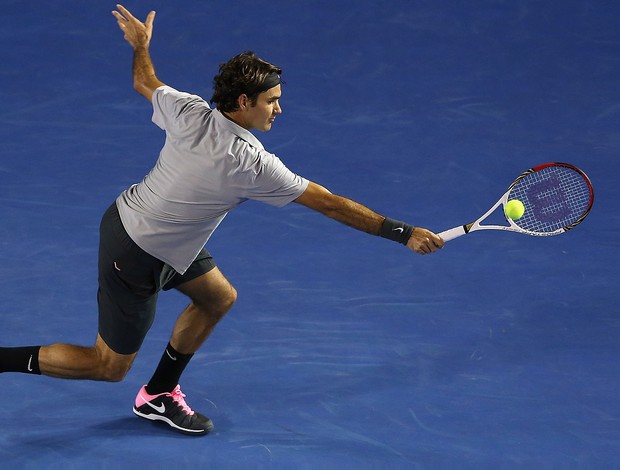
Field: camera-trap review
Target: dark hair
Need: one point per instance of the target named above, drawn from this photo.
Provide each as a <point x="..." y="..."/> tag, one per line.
<point x="244" y="73"/>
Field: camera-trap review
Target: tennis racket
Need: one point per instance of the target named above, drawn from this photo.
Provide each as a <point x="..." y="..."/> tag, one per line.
<point x="556" y="196"/>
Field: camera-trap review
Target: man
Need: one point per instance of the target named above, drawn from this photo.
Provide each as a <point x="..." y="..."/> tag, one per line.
<point x="152" y="238"/>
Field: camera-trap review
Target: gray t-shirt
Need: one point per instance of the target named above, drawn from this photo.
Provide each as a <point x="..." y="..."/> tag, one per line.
<point x="208" y="166"/>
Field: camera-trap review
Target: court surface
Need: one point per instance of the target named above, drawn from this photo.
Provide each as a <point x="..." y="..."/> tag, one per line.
<point x="344" y="350"/>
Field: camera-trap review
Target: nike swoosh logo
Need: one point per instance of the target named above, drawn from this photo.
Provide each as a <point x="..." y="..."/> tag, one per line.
<point x="398" y="229"/>
<point x="30" y="364"/>
<point x="171" y="356"/>
<point x="161" y="408"/>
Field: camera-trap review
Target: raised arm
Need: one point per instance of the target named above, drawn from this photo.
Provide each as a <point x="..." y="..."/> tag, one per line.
<point x="138" y="35"/>
<point x="362" y="218"/>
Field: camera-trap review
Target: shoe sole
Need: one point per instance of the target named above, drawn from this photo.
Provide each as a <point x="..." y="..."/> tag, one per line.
<point x="189" y="432"/>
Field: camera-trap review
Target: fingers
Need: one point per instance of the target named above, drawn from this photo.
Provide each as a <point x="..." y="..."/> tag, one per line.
<point x="424" y="241"/>
<point x="125" y="13"/>
<point x="124" y="16"/>
<point x="120" y="18"/>
<point x="427" y="247"/>
<point x="437" y="241"/>
<point x="149" y="20"/>
<point x="136" y="33"/>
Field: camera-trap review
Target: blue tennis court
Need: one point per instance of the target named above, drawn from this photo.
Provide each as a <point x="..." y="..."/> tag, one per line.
<point x="343" y="350"/>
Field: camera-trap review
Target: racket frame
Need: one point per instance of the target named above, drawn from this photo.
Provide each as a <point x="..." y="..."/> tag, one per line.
<point x="455" y="232"/>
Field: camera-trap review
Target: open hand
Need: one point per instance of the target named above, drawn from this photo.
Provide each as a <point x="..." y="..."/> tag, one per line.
<point x="137" y="34"/>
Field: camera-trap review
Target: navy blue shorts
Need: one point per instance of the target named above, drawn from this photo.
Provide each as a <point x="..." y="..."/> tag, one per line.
<point x="130" y="280"/>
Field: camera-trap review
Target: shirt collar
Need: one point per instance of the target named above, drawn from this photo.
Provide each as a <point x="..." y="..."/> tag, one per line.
<point x="237" y="130"/>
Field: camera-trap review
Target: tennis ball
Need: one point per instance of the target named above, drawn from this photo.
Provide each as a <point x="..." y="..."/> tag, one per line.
<point x="514" y="209"/>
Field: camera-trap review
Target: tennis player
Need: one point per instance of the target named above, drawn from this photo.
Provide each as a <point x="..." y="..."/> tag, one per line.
<point x="152" y="237"/>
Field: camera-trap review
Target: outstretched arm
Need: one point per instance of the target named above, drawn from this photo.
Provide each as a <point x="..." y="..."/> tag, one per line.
<point x="138" y="35"/>
<point x="356" y="215"/>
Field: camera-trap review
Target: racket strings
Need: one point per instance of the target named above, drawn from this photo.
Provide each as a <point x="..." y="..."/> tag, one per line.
<point x="554" y="197"/>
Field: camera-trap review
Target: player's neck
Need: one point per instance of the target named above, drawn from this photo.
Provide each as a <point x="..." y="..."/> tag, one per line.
<point x="236" y="118"/>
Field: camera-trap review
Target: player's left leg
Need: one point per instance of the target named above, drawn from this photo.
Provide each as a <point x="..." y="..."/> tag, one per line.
<point x="212" y="297"/>
<point x="161" y="399"/>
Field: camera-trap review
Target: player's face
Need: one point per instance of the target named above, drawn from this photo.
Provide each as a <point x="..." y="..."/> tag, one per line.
<point x="267" y="107"/>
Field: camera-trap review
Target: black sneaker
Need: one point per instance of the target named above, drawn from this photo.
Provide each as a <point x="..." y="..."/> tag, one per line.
<point x="172" y="409"/>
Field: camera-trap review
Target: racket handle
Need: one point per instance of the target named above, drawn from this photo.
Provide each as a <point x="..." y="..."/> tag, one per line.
<point x="452" y="233"/>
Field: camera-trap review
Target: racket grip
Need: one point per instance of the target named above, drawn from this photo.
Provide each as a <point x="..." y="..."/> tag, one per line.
<point x="452" y="233"/>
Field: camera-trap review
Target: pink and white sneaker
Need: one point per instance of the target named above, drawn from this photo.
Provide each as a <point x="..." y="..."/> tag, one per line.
<point x="172" y="409"/>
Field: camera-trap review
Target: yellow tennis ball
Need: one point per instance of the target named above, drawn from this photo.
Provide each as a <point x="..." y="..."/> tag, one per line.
<point x="514" y="209"/>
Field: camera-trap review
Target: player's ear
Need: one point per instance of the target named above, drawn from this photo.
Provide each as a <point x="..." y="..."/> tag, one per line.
<point x="242" y="101"/>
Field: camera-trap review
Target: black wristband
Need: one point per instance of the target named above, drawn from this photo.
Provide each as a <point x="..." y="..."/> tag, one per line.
<point x="395" y="230"/>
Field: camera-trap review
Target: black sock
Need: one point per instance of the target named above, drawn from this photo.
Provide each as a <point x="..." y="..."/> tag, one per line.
<point x="24" y="359"/>
<point x="168" y="372"/>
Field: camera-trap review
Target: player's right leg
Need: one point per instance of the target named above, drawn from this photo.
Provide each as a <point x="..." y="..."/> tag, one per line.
<point x="77" y="362"/>
<point x="67" y="361"/>
<point x="127" y="296"/>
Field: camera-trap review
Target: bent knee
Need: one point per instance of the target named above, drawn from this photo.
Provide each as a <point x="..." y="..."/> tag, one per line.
<point x="224" y="302"/>
<point x="231" y="298"/>
<point x="111" y="366"/>
<point x="113" y="372"/>
<point x="218" y="306"/>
